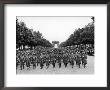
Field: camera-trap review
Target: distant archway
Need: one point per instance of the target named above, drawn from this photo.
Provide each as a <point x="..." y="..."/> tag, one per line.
<point x="55" y="44"/>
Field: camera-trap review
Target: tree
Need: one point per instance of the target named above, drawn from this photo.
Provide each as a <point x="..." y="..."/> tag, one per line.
<point x="28" y="37"/>
<point x="81" y="36"/>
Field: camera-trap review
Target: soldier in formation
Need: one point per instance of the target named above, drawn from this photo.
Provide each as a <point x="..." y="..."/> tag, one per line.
<point x="68" y="55"/>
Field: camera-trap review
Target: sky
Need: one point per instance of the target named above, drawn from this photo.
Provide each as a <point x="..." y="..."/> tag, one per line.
<point x="55" y="28"/>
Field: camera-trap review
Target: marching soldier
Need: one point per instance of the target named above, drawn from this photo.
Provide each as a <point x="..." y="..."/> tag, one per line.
<point x="28" y="64"/>
<point x="47" y="63"/>
<point x="78" y="61"/>
<point x="59" y="63"/>
<point x="72" y="63"/>
<point x="85" y="62"/>
<point x="65" y="63"/>
<point x="53" y="62"/>
<point x="41" y="64"/>
<point x="17" y="62"/>
<point x="84" y="59"/>
<point x="73" y="57"/>
<point x="22" y="62"/>
<point x="34" y="63"/>
<point x="65" y="60"/>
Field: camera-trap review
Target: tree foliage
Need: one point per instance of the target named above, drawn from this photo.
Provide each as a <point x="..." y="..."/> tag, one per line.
<point x="81" y="36"/>
<point x="28" y="37"/>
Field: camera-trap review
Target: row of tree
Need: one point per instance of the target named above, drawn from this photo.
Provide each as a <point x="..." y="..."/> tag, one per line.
<point x="28" y="37"/>
<point x="81" y="36"/>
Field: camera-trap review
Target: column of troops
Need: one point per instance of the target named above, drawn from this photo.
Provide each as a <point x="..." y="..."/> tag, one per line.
<point x="71" y="55"/>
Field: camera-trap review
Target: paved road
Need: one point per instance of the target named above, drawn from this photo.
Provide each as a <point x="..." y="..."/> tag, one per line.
<point x="88" y="70"/>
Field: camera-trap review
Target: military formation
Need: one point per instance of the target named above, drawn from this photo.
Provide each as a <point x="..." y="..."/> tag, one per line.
<point x="43" y="56"/>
